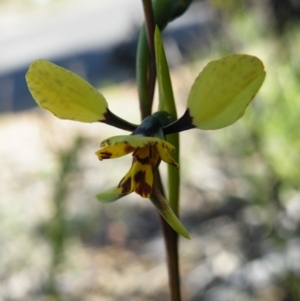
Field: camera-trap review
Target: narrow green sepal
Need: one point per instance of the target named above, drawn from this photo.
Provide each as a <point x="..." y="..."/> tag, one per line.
<point x="163" y="207"/>
<point x="109" y="195"/>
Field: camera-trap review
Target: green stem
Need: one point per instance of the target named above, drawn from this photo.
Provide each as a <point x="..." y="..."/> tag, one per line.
<point x="146" y="84"/>
<point x="171" y="243"/>
<point x="142" y="75"/>
<point x="148" y="31"/>
<point x="164" y="12"/>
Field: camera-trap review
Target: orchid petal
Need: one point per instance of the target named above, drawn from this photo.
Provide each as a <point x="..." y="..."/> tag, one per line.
<point x="64" y="93"/>
<point x="223" y="90"/>
<point x="166" y="157"/>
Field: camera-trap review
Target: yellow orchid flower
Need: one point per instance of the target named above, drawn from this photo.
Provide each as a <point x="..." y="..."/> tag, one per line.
<point x="218" y="98"/>
<point x="147" y="152"/>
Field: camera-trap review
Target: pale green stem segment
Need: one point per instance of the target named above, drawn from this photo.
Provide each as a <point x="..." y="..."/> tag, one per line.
<point x="162" y="205"/>
<point x="167" y="103"/>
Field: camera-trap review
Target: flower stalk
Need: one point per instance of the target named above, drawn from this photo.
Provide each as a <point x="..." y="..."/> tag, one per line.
<point x="170" y="236"/>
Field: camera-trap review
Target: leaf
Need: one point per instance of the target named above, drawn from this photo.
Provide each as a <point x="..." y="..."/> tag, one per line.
<point x="64" y="93"/>
<point x="223" y="90"/>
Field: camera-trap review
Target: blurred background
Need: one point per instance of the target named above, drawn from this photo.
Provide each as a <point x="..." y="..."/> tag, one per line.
<point x="240" y="189"/>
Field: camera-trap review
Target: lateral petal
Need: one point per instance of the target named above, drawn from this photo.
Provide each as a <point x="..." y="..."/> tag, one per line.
<point x="166" y="157"/>
<point x="64" y="93"/>
<point x="223" y="90"/>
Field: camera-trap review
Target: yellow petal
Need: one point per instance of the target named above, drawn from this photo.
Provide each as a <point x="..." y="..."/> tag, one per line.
<point x="143" y="154"/>
<point x="166" y="157"/>
<point x="140" y="176"/>
<point x="114" y="151"/>
<point x="64" y="93"/>
<point x="223" y="90"/>
<point x="142" y="179"/>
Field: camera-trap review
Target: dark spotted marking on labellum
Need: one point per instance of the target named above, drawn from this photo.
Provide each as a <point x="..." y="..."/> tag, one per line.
<point x="143" y="188"/>
<point x="143" y="161"/>
<point x="105" y="155"/>
<point x="125" y="186"/>
<point x="128" y="148"/>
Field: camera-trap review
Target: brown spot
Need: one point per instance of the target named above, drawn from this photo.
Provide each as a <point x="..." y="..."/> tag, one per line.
<point x="128" y="148"/>
<point x="140" y="176"/>
<point x="143" y="161"/>
<point x="105" y="155"/>
<point x="126" y="186"/>
<point x="143" y="188"/>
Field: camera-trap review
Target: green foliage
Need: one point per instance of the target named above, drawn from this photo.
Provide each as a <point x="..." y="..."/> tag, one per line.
<point x="57" y="230"/>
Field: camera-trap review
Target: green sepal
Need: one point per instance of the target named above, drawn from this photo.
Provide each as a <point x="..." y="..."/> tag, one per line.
<point x="163" y="207"/>
<point x="109" y="195"/>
